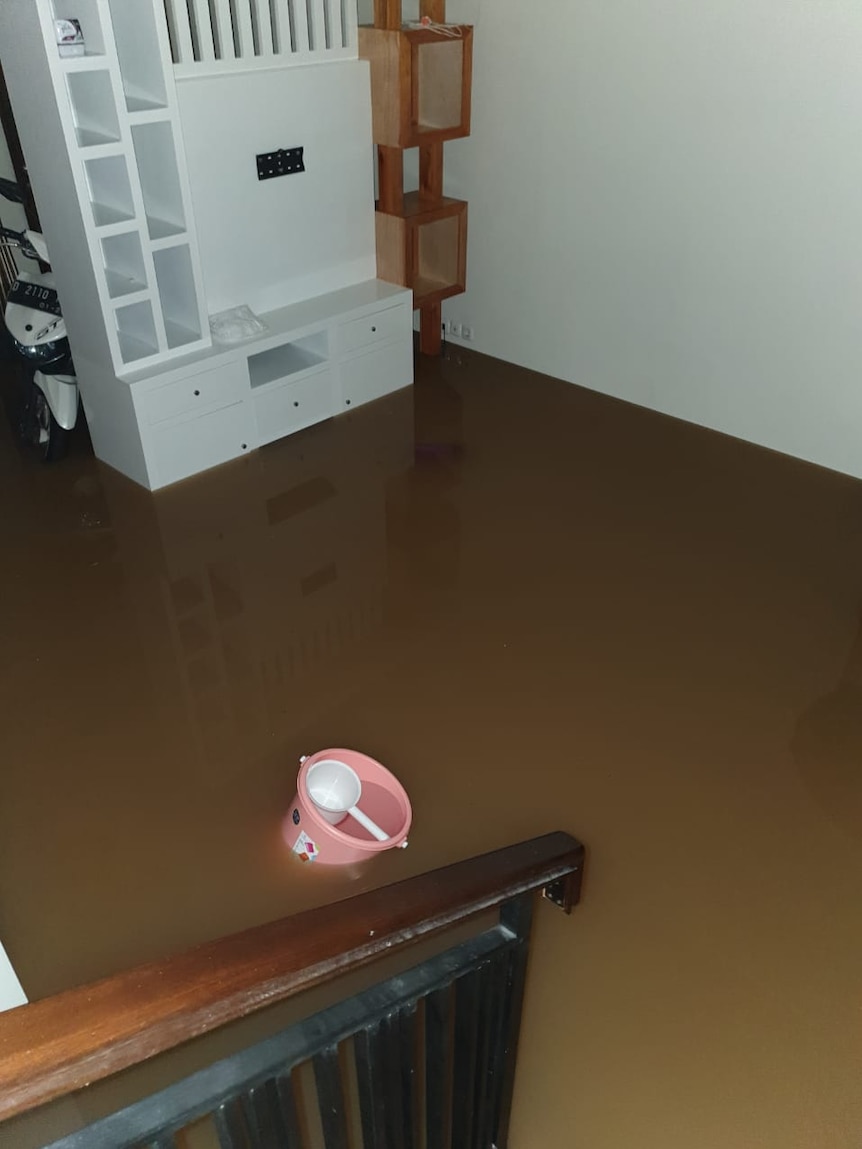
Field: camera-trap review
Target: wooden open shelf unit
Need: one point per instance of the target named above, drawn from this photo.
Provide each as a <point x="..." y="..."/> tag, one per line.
<point x="425" y="246"/>
<point x="420" y="83"/>
<point x="421" y="80"/>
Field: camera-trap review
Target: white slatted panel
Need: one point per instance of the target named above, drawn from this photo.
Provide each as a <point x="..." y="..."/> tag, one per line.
<point x="180" y="31"/>
<point x="336" y="33"/>
<point x="281" y="26"/>
<point x="243" y="30"/>
<point x="229" y="35"/>
<point x="224" y="29"/>
<point x="351" y="26"/>
<point x="263" y="22"/>
<point x="317" y="25"/>
<point x="205" y="29"/>
<point x="300" y="26"/>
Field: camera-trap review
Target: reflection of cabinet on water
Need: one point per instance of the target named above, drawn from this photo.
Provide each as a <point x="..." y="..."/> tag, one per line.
<point x="262" y="591"/>
<point x="145" y="169"/>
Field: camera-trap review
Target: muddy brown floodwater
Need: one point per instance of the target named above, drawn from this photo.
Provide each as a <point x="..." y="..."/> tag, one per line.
<point x="542" y="609"/>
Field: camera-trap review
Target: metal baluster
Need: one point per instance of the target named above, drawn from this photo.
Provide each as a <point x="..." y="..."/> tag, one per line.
<point x="367" y="1045"/>
<point x="516" y="916"/>
<point x="262" y="1109"/>
<point x="464" y="1062"/>
<point x="288" y="1111"/>
<point x="230" y="1125"/>
<point x="406" y="1024"/>
<point x="438" y="1020"/>
<point x="491" y="1013"/>
<point x="330" y="1099"/>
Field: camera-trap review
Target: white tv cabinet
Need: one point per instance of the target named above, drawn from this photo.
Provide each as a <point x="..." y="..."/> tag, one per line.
<point x="137" y="224"/>
<point x="318" y="358"/>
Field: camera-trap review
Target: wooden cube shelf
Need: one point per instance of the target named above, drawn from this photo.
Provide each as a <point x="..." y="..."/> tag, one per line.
<point x="425" y="247"/>
<point x="420" y="83"/>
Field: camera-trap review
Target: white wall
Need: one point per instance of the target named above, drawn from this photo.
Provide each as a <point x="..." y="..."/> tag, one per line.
<point x="666" y="205"/>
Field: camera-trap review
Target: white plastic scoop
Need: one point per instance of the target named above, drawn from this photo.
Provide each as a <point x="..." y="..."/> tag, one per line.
<point x="335" y="789"/>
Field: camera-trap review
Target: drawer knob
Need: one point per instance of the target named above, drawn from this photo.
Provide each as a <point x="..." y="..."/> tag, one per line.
<point x="244" y="446"/>
<point x="373" y="328"/>
<point x="197" y="392"/>
<point x="347" y="401"/>
<point x="295" y="403"/>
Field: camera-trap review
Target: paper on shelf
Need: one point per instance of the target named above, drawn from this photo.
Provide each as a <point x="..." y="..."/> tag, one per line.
<point x="236" y="325"/>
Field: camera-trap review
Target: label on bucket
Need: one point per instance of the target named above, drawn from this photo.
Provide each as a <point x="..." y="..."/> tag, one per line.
<point x="305" y="848"/>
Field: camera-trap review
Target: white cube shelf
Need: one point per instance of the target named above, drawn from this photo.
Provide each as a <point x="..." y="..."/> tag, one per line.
<point x="87" y="12"/>
<point x="125" y="272"/>
<point x="288" y="360"/>
<point x="94" y="110"/>
<point x="110" y="191"/>
<point x="158" y="172"/>
<point x="138" y="52"/>
<point x="176" y="283"/>
<point x="137" y="331"/>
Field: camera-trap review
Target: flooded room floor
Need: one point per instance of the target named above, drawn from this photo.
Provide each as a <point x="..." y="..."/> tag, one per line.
<point x="542" y="609"/>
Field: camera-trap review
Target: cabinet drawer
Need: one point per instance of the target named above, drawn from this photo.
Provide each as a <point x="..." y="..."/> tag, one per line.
<point x="205" y="391"/>
<point x="188" y="446"/>
<point x="280" y="411"/>
<point x="382" y="327"/>
<point x="369" y="376"/>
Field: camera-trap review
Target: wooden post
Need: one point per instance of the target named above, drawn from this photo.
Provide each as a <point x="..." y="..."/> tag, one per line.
<point x="431" y="172"/>
<point x="431" y="189"/>
<point x="387" y="14"/>
<point x="430" y="329"/>
<point x="436" y="9"/>
<point x="390" y="181"/>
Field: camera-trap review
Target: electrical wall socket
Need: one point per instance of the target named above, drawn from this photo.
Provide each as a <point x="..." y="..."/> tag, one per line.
<point x="459" y="330"/>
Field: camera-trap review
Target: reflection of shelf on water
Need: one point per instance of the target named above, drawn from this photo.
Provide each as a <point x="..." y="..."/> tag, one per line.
<point x="261" y="586"/>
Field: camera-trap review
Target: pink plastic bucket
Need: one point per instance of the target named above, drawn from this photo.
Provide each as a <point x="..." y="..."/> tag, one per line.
<point x="384" y="800"/>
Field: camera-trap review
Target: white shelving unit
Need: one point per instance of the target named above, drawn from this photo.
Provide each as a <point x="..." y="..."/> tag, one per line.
<point x="103" y="134"/>
<point x="120" y="130"/>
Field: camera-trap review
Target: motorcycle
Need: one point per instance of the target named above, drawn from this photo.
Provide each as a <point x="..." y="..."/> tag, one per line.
<point x="34" y="321"/>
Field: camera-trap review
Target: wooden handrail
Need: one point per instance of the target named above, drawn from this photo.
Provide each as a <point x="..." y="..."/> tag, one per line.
<point x="62" y="1043"/>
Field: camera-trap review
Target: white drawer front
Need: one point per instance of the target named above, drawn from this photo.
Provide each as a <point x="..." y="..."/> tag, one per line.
<point x="205" y="391"/>
<point x="187" y="446"/>
<point x="382" y="327"/>
<point x="280" y="411"/>
<point x="369" y="376"/>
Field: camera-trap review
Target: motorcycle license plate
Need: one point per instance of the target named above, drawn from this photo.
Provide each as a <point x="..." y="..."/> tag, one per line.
<point x="36" y="296"/>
